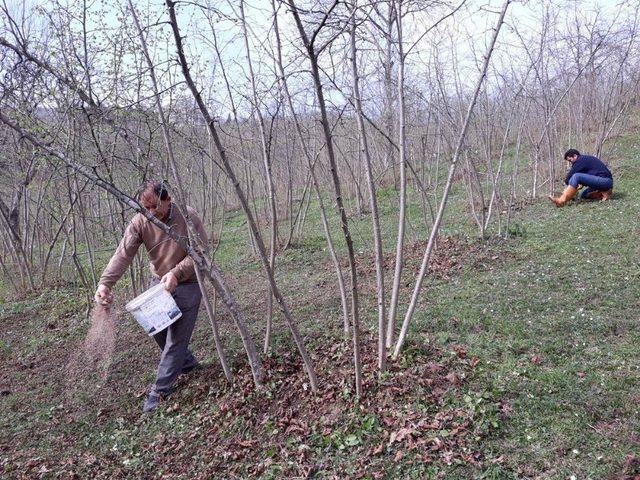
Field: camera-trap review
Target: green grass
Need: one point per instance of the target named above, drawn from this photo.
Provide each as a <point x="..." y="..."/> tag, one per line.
<point x="570" y="296"/>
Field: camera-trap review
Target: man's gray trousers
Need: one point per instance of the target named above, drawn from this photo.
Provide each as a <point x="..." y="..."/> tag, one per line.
<point x="174" y="340"/>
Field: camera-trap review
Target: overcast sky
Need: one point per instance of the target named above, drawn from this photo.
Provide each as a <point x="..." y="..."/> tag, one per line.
<point x="460" y="40"/>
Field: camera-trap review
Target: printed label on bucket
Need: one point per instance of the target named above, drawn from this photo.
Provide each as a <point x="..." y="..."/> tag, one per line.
<point x="154" y="319"/>
<point x="154" y="310"/>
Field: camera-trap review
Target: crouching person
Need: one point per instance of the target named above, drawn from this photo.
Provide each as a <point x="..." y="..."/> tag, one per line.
<point x="170" y="265"/>
<point x="589" y="172"/>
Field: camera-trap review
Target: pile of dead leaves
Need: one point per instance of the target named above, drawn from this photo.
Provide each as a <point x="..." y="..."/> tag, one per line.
<point x="450" y="255"/>
<point x="413" y="416"/>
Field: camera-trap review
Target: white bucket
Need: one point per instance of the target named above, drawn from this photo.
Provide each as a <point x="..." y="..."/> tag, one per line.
<point x="154" y="309"/>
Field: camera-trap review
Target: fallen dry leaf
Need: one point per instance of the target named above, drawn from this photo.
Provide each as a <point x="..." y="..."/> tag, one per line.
<point x="378" y="450"/>
<point x="460" y="350"/>
<point x="454" y="379"/>
<point x="400" y="435"/>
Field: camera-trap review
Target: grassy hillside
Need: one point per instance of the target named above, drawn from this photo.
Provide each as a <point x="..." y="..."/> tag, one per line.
<point x="522" y="362"/>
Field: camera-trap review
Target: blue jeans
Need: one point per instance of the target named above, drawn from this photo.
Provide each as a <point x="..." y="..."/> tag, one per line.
<point x="592" y="182"/>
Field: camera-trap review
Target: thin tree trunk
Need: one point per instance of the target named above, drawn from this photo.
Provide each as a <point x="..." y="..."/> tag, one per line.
<point x="266" y="158"/>
<point x="314" y="179"/>
<point x="402" y="144"/>
<point x="375" y="220"/>
<point x="241" y="196"/>
<point x="295" y="218"/>
<point x="324" y="120"/>
<point x="434" y="230"/>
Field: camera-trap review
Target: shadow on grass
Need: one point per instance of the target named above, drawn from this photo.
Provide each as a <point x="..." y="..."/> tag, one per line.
<point x="619" y="195"/>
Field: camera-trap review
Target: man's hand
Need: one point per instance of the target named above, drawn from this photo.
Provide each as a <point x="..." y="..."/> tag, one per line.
<point x="170" y="281"/>
<point x="103" y="295"/>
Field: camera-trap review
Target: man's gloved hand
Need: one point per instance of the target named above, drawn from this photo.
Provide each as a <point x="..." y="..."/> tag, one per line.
<point x="170" y="281"/>
<point x="103" y="295"/>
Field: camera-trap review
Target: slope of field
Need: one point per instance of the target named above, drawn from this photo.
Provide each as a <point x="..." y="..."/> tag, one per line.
<point x="522" y="362"/>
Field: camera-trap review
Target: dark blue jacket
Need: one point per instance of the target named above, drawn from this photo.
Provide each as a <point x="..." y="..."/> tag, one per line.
<point x="589" y="165"/>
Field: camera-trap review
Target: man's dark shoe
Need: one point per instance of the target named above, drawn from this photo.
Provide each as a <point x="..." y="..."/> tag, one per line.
<point x="151" y="403"/>
<point x="191" y="368"/>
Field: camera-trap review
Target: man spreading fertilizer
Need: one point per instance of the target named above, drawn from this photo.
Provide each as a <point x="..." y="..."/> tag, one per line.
<point x="589" y="172"/>
<point x="171" y="266"/>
